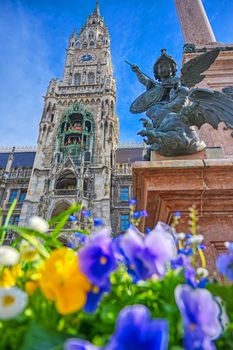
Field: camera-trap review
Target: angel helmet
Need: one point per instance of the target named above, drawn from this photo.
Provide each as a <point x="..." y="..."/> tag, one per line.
<point x="165" y="66"/>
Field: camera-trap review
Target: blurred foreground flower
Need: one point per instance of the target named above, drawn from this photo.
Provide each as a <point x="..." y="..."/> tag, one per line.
<point x="63" y="282"/>
<point x="8" y="256"/>
<point x="38" y="224"/>
<point x="201" y="317"/>
<point x="225" y="262"/>
<point x="135" y="330"/>
<point x="148" y="255"/>
<point x="12" y="302"/>
<point x="96" y="259"/>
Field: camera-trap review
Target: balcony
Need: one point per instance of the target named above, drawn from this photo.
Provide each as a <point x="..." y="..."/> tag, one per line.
<point x="65" y="192"/>
<point x="123" y="169"/>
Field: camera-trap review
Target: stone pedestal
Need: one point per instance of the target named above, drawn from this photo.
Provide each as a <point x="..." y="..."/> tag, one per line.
<point x="163" y="187"/>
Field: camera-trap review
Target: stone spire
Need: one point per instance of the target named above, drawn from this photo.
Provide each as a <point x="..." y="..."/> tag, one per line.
<point x="194" y="22"/>
<point x="97" y="8"/>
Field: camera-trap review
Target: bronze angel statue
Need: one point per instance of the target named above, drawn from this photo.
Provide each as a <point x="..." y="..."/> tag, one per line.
<point x="175" y="108"/>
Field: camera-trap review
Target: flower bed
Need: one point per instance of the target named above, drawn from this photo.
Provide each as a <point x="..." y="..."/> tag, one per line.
<point x="135" y="291"/>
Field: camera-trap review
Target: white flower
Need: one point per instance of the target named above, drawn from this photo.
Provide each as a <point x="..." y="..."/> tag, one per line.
<point x="8" y="256"/>
<point x="196" y="239"/>
<point x="180" y="236"/>
<point x="201" y="271"/>
<point x="12" y="302"/>
<point x="38" y="224"/>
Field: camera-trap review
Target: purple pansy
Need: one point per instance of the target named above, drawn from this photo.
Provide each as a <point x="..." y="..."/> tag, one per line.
<point x="201" y="316"/>
<point x="147" y="255"/>
<point x="86" y="213"/>
<point x="225" y="262"/>
<point x="161" y="247"/>
<point x="96" y="259"/>
<point x="135" y="330"/>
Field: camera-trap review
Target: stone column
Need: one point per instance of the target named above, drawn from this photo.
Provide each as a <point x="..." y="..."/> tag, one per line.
<point x="194" y="22"/>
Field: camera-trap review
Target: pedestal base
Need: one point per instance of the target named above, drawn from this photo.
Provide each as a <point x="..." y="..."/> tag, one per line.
<point x="166" y="186"/>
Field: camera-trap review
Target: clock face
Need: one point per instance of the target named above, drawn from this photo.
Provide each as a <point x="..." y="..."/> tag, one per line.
<point x="87" y="57"/>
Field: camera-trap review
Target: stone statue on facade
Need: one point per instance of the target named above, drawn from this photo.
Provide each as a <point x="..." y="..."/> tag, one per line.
<point x="175" y="108"/>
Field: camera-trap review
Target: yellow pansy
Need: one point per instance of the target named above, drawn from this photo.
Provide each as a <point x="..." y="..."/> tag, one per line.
<point x="8" y="276"/>
<point x="63" y="282"/>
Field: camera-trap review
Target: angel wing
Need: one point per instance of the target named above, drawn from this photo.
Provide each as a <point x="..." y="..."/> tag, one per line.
<point x="147" y="99"/>
<point x="212" y="107"/>
<point x="191" y="73"/>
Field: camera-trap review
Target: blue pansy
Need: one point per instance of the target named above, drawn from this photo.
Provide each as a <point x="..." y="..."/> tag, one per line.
<point x="72" y="218"/>
<point x="95" y="295"/>
<point x="98" y="222"/>
<point x="132" y="201"/>
<point x="135" y="330"/>
<point x="96" y="259"/>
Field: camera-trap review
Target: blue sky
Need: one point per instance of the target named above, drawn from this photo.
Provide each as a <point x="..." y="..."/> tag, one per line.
<point x="33" y="39"/>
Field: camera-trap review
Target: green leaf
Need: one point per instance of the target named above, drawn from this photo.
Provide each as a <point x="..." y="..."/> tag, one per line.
<point x="38" y="338"/>
<point x="62" y="218"/>
<point x="8" y="217"/>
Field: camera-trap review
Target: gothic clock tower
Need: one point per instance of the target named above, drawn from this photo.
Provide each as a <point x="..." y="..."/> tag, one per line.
<point x="79" y="130"/>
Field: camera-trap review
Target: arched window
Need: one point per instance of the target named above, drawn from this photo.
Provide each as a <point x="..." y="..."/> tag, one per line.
<point x="62" y="206"/>
<point x="85" y="45"/>
<point x="67" y="180"/>
<point x="92" y="44"/>
<point x="77" y="79"/>
<point x="91" y="78"/>
<point x="77" y="45"/>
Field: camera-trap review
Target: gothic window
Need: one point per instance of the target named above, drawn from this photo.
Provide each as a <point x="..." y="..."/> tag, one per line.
<point x="88" y="126"/>
<point x="77" y="79"/>
<point x="85" y="45"/>
<point x="15" y="220"/>
<point x="49" y="106"/>
<point x="91" y="35"/>
<point x="92" y="44"/>
<point x="111" y="131"/>
<point x="105" y="132"/>
<point x="77" y="45"/>
<point x="91" y="78"/>
<point x="22" y="196"/>
<point x="124" y="193"/>
<point x="13" y="195"/>
<point x="112" y="108"/>
<point x="124" y="222"/>
<point x="52" y="117"/>
<point x="85" y="188"/>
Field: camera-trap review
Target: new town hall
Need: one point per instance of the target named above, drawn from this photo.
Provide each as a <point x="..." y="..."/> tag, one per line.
<point x="77" y="157"/>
